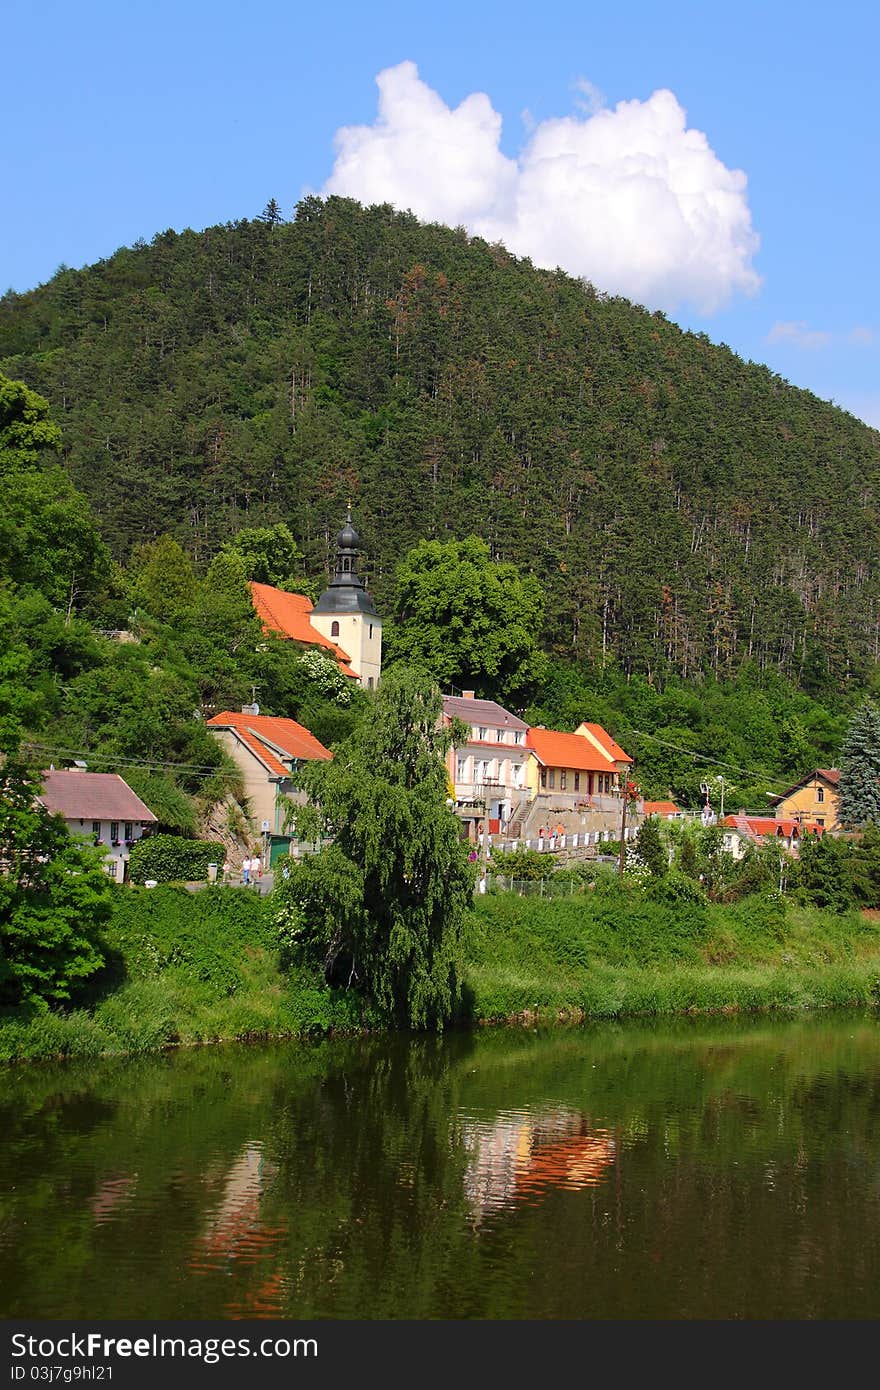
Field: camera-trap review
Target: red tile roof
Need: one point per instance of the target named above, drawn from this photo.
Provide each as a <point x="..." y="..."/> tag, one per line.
<point x="288" y="614"/>
<point x="78" y="795"/>
<point x="604" y="739"/>
<point x="757" y="826"/>
<point x="554" y="749"/>
<point x="272" y="738"/>
<point x="661" y="808"/>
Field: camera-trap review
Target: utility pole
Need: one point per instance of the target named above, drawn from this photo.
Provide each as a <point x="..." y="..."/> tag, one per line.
<point x="624" y="784"/>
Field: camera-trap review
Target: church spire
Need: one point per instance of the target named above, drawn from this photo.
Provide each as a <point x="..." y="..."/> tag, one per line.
<point x="346" y="592"/>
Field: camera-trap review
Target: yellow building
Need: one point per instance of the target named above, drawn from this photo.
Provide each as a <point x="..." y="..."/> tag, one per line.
<point x="815" y="798"/>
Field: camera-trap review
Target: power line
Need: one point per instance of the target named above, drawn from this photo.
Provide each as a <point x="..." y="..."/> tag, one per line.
<point x="702" y="757"/>
<point x="201" y="769"/>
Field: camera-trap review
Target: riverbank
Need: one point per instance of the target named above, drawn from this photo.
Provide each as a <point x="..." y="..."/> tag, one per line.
<point x="189" y="969"/>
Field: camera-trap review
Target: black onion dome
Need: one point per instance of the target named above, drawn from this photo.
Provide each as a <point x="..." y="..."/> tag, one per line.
<point x="348" y="538"/>
<point x="346" y="593"/>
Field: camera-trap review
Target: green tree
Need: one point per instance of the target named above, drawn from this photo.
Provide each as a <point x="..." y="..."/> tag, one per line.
<point x="54" y="893"/>
<point x="48" y="537"/>
<point x="383" y="906"/>
<point x="651" y="848"/>
<point x="163" y="579"/>
<point x="271" y="556"/>
<point x="860" y="768"/>
<point x="466" y="618"/>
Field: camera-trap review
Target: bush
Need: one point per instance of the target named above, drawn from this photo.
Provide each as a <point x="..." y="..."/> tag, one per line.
<point x="172" y="859"/>
<point x="674" y="888"/>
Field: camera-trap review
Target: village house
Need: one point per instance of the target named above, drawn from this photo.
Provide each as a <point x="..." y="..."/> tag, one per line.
<point x="269" y="752"/>
<point x="487" y="772"/>
<point x="741" y="831"/>
<point x="575" y="781"/>
<point x="101" y="806"/>
<point x="343" y="622"/>
<point x="814" y="798"/>
<point x="665" y="810"/>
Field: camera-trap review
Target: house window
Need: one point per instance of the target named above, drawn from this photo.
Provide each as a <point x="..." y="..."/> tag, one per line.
<point x="543" y="776"/>
<point x="460" y="768"/>
<point x="114" y="832"/>
<point x="481" y="734"/>
<point x="820" y="820"/>
<point x="577" y="781"/>
<point x="517" y="735"/>
<point x="820" y="793"/>
<point x="369" y="682"/>
<point x="334" y="629"/>
<point x="96" y="829"/>
<point x="563" y="779"/>
<point x="129" y="830"/>
<point x="371" y="629"/>
<point x="499" y="735"/>
<point x="551" y="778"/>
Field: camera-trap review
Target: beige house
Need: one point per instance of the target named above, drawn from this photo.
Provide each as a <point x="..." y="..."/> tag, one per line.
<point x="815" y="798"/>
<point x="101" y="806"/>
<point x="269" y="751"/>
<point x="575" y="782"/>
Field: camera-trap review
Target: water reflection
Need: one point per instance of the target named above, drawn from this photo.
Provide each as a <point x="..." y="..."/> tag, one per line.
<point x="516" y="1157"/>
<point x="713" y="1169"/>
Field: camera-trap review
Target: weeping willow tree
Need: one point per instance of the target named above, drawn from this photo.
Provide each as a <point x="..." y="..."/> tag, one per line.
<point x="382" y="906"/>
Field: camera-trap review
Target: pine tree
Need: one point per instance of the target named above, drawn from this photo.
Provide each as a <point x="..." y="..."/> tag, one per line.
<point x="860" y="768"/>
<point x="271" y="214"/>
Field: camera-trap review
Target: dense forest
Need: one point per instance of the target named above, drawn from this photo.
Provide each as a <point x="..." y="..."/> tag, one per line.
<point x="688" y="514"/>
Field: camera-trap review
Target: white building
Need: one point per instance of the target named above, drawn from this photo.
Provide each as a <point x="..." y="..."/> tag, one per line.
<point x="488" y="770"/>
<point x="99" y="805"/>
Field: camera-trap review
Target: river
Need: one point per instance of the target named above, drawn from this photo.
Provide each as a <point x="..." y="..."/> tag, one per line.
<point x="695" y="1169"/>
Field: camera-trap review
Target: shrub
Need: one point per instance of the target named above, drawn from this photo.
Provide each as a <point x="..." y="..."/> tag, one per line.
<point x="172" y="859"/>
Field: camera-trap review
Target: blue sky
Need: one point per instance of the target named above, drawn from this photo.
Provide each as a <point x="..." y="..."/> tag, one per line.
<point x="121" y="121"/>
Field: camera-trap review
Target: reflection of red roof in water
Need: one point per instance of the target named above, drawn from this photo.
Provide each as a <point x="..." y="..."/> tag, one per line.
<point x="580" y="1161"/>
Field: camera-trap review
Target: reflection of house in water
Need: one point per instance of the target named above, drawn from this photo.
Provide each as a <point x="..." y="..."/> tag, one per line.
<point x="234" y="1231"/>
<point x="521" y="1154"/>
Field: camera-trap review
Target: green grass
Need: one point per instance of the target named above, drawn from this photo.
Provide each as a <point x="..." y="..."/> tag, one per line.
<point x="620" y="953"/>
<point x="185" y="969"/>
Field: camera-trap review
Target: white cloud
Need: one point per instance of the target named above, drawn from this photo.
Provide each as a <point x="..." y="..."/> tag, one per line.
<point x="800" y="334"/>
<point x="588" y="99"/>
<point x="628" y="197"/>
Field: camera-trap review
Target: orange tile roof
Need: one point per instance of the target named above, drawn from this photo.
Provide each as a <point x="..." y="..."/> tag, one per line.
<point x="554" y="749"/>
<point x="268" y="736"/>
<point x="288" y="614"/>
<point x="604" y="739"/>
<point x="769" y="825"/>
<point x="661" y="808"/>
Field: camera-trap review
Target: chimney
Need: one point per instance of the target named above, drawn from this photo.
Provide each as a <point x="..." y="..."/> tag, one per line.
<point x="468" y="694"/>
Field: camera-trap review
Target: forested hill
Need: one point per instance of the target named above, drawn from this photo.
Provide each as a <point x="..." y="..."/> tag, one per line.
<point x="682" y="507"/>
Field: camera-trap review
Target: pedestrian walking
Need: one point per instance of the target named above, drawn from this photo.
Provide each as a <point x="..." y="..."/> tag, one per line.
<point x="226" y="870"/>
<point x="246" y="871"/>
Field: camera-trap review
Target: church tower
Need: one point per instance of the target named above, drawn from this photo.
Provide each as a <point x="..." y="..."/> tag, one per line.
<point x="346" y="614"/>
